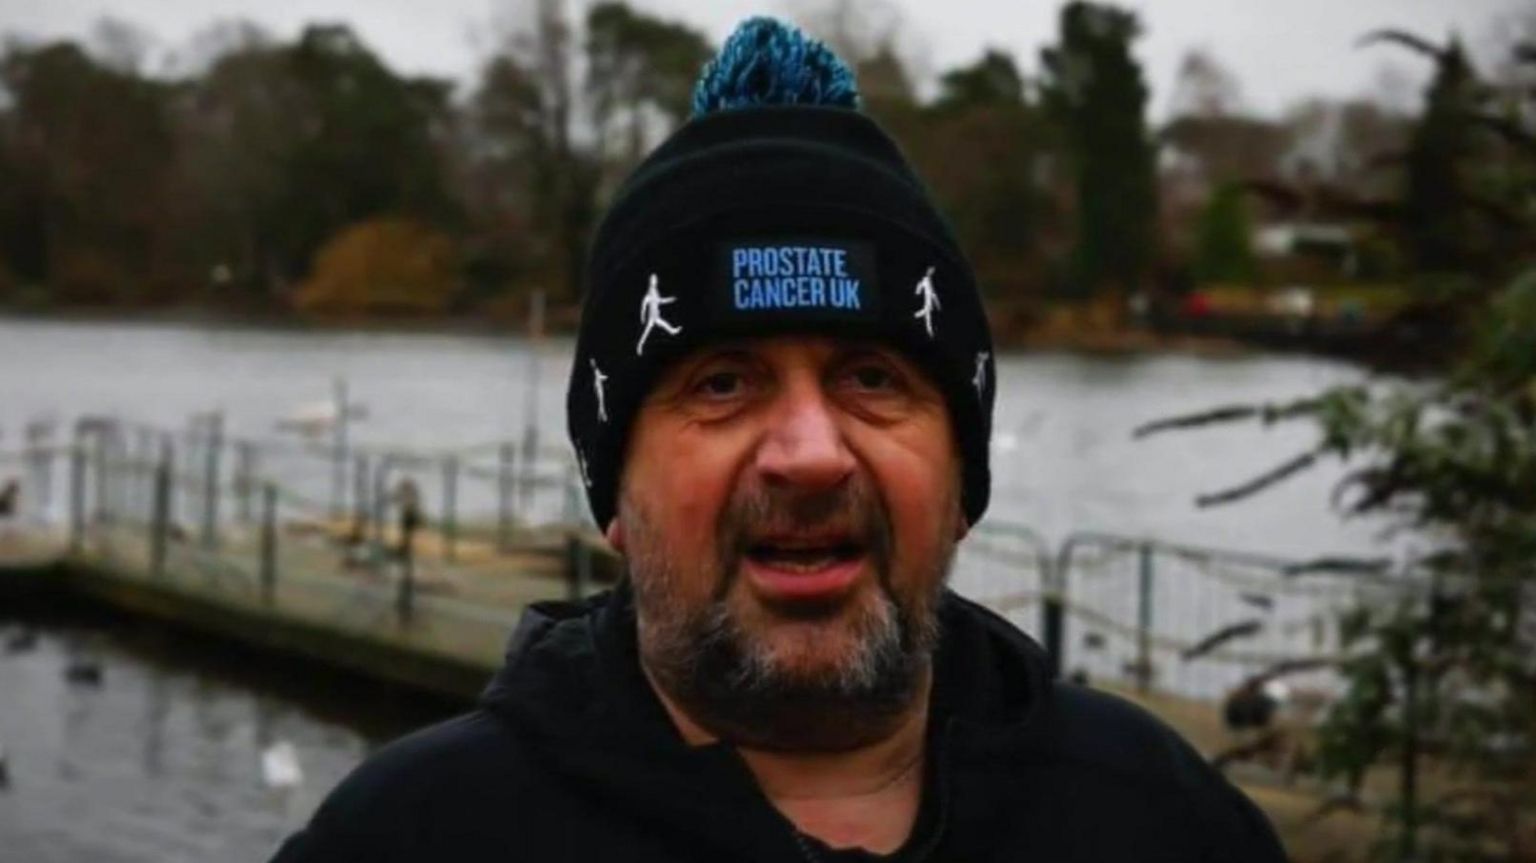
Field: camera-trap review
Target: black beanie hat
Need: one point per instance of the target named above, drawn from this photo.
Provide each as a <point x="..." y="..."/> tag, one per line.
<point x="767" y="215"/>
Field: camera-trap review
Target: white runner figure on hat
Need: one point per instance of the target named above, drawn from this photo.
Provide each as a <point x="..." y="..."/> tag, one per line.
<point x="597" y="386"/>
<point x="650" y="314"/>
<point x="930" y="301"/>
<point x="980" y="379"/>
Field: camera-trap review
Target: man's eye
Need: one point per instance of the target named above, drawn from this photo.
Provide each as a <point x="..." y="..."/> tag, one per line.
<point x="873" y="378"/>
<point x="722" y="384"/>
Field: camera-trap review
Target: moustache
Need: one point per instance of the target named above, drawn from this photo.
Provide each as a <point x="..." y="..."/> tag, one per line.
<point x="849" y="517"/>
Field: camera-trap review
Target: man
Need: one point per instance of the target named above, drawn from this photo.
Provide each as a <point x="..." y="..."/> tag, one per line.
<point x="781" y="402"/>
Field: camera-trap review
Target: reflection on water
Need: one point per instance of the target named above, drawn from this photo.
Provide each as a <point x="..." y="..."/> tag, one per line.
<point x="161" y="760"/>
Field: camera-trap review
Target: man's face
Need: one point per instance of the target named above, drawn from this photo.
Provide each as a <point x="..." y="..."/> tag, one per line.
<point x="789" y="508"/>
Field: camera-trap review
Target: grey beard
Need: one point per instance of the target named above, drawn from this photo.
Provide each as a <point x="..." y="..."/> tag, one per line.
<point x="740" y="691"/>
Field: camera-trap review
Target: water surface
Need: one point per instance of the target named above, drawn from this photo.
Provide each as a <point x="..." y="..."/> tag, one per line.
<point x="161" y="761"/>
<point x="1063" y="459"/>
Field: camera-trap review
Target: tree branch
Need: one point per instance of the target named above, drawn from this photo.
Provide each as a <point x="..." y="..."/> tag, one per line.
<point x="1261" y="482"/>
<point x="1412" y="41"/>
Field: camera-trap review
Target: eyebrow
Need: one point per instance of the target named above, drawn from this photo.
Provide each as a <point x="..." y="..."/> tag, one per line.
<point x="674" y="378"/>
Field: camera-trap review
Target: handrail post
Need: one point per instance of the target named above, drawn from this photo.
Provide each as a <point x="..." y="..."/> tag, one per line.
<point x="120" y="466"/>
<point x="39" y="456"/>
<point x="212" y="445"/>
<point x="504" y="466"/>
<point x="1053" y="606"/>
<point x="168" y="457"/>
<point x="268" y="543"/>
<point x="245" y="478"/>
<point x="380" y="505"/>
<point x="405" y="598"/>
<point x="1144" y="619"/>
<point x="578" y="565"/>
<point x="94" y="427"/>
<point x="76" y="499"/>
<point x="144" y="493"/>
<point x="450" y="522"/>
<point x="161" y="518"/>
<point x="360" y="497"/>
<point x="99" y="466"/>
<point x="339" y="453"/>
<point x="529" y="477"/>
<point x="140" y="477"/>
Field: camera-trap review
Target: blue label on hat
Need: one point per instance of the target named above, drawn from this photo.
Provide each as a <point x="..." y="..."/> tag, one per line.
<point x="814" y="278"/>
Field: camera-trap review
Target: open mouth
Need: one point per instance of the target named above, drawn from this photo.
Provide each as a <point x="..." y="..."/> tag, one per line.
<point x="804" y="556"/>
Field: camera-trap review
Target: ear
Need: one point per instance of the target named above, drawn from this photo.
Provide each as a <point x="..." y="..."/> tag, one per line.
<point x="614" y="533"/>
<point x="962" y="525"/>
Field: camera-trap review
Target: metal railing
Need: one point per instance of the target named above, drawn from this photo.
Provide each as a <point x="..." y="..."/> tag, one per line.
<point x="1189" y="619"/>
<point x="326" y="534"/>
<point x="259" y="523"/>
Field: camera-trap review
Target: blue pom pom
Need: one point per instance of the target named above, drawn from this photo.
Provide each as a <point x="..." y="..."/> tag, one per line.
<point x="768" y="62"/>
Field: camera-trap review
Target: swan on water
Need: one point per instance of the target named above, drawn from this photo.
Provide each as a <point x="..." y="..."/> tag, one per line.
<point x="314" y="419"/>
<point x="280" y="766"/>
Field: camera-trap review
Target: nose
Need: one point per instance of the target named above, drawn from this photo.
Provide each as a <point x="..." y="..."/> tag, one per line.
<point x="803" y="447"/>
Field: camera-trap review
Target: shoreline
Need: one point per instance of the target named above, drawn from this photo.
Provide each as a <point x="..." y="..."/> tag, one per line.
<point x="1376" y="351"/>
<point x="1121" y="342"/>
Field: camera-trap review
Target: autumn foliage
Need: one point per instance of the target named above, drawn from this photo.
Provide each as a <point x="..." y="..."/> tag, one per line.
<point x="382" y="267"/>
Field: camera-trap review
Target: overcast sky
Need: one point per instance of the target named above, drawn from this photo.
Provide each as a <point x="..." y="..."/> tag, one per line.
<point x="1280" y="50"/>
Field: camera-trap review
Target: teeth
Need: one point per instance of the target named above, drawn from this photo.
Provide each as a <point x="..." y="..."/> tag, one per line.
<point x="799" y="563"/>
<point x="804" y="559"/>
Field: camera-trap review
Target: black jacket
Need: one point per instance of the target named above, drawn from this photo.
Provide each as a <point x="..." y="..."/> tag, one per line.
<point x="571" y="757"/>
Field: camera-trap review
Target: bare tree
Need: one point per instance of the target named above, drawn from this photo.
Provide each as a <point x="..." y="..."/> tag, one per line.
<point x="855" y="29"/>
<point x="1205" y="87"/>
<point x="120" y="45"/>
<point x="864" y="32"/>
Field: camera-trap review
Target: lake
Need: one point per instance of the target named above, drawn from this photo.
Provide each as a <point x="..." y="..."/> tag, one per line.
<point x="161" y="762"/>
<point x="1063" y="457"/>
